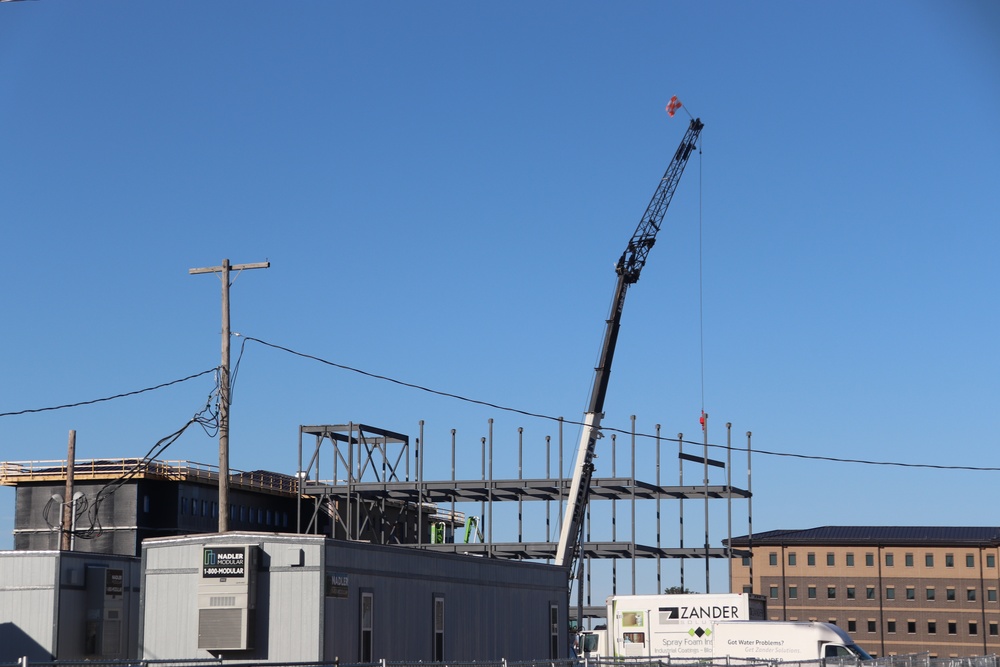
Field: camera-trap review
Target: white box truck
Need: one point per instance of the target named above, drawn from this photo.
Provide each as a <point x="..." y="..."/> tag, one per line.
<point x="637" y="623"/>
<point x="700" y="626"/>
<point x="674" y="625"/>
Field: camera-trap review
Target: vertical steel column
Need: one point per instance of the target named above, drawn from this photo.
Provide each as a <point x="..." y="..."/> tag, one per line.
<point x="632" y="484"/>
<point x="704" y="430"/>
<point x="680" y="501"/>
<point x="659" y="544"/>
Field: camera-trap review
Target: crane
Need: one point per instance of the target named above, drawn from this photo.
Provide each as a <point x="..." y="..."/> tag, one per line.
<point x="628" y="268"/>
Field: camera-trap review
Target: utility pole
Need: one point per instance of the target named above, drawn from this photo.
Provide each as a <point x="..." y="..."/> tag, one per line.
<point x="224" y="385"/>
<point x="69" y="506"/>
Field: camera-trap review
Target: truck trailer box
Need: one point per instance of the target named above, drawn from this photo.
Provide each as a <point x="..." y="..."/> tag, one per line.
<point x="674" y="624"/>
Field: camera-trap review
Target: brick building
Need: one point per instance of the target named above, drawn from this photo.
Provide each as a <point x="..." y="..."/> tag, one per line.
<point x="894" y="589"/>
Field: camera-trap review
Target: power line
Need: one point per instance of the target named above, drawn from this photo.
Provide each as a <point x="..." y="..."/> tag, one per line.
<point x="496" y="406"/>
<point x="108" y="398"/>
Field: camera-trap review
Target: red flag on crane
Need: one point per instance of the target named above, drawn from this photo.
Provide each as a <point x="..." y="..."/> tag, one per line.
<point x="702" y="420"/>
<point x="673" y="105"/>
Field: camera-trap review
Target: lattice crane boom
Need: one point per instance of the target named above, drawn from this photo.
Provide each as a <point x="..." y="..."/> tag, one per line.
<point x="628" y="268"/>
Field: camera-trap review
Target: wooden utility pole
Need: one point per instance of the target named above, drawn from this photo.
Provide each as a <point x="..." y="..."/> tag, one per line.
<point x="69" y="506"/>
<point x="224" y="385"/>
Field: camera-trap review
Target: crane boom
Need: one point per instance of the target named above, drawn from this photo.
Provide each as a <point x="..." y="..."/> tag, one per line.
<point x="628" y="268"/>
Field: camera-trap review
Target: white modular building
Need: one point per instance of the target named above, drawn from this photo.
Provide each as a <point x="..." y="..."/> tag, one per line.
<point x="68" y="605"/>
<point x="262" y="596"/>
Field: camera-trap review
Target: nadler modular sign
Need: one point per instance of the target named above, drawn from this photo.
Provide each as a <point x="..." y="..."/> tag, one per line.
<point x="218" y="562"/>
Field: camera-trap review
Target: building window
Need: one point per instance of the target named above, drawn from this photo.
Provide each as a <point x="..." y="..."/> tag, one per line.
<point x="991" y="595"/>
<point x="870" y="593"/>
<point x="184" y="505"/>
<point x="145" y="504"/>
<point x="774" y="592"/>
<point x="970" y="594"/>
<point x="811" y="592"/>
<point x="973" y="628"/>
<point x="871" y="625"/>
<point x="890" y="593"/>
<point x="890" y="627"/>
<point x="911" y="627"/>
<point x="746" y="561"/>
<point x="850" y="592"/>
<point x="930" y="592"/>
<point x="810" y="560"/>
<point x="991" y="560"/>
<point x="994" y="628"/>
<point x="870" y="560"/>
<point x="850" y="560"/>
<point x="888" y="560"/>
<point x="952" y="628"/>
<point x="830" y="560"/>
<point x="949" y="594"/>
<point x="791" y="558"/>
<point x="831" y="592"/>
<point x="970" y="560"/>
<point x="793" y="592"/>
<point x="748" y="589"/>
<point x="852" y="625"/>
<point x="911" y="593"/>
<point x="932" y="627"/>
<point x="772" y="558"/>
<point x="949" y="560"/>
<point x="908" y="560"/>
<point x="929" y="560"/>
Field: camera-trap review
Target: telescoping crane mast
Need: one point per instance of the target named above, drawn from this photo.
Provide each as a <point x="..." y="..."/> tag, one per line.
<point x="628" y="268"/>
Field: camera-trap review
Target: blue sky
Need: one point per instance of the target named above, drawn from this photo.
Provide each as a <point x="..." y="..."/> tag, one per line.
<point x="442" y="190"/>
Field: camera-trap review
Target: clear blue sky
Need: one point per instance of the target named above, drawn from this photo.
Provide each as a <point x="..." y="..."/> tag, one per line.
<point x="442" y="190"/>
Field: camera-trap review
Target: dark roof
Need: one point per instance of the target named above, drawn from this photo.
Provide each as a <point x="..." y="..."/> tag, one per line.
<point x="859" y="535"/>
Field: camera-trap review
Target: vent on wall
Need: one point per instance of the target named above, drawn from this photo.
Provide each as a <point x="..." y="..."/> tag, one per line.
<point x="222" y="629"/>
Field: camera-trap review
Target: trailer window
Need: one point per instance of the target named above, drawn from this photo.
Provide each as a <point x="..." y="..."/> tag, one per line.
<point x="634" y="637"/>
<point x="438" y="627"/>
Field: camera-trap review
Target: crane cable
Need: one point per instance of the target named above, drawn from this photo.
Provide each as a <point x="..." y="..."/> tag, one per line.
<point x="701" y="289"/>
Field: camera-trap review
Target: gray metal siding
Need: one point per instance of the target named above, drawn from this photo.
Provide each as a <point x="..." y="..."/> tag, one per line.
<point x="28" y="588"/>
<point x="44" y="603"/>
<point x="494" y="609"/>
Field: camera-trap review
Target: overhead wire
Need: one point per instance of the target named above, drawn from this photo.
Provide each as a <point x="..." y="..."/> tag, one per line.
<point x="208" y="419"/>
<point x="108" y="398"/>
<point x="626" y="432"/>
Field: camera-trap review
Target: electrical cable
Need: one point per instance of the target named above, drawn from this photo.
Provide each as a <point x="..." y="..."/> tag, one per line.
<point x="627" y="432"/>
<point x="207" y="418"/>
<point x="107" y="398"/>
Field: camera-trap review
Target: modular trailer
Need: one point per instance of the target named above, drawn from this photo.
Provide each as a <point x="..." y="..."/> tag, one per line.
<point x="68" y="605"/>
<point x="303" y="598"/>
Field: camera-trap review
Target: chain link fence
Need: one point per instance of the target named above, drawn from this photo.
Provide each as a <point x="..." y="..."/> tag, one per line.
<point x="912" y="660"/>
